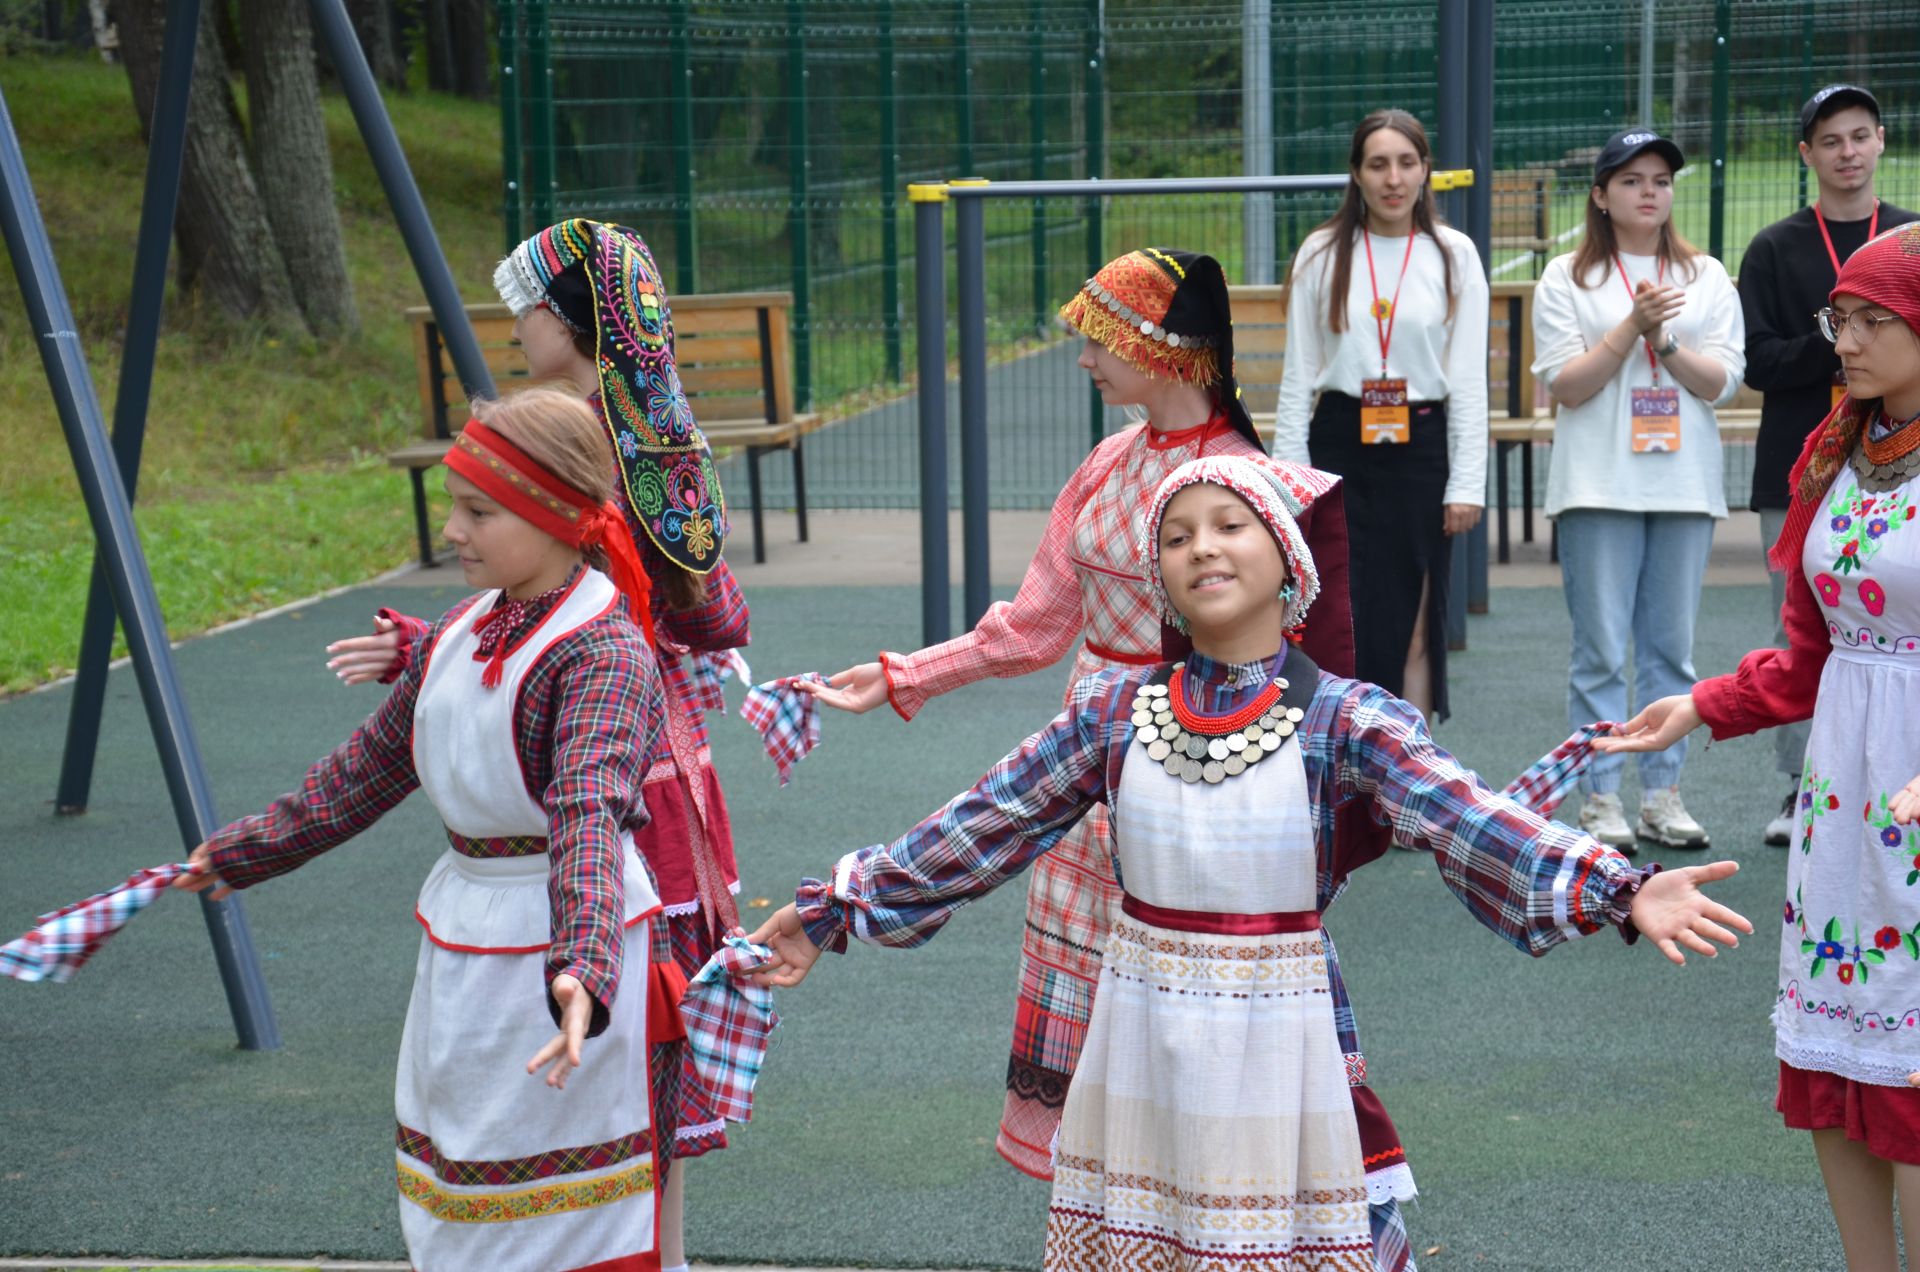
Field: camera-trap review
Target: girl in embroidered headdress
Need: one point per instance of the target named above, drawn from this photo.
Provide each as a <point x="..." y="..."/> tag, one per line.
<point x="1158" y="336"/>
<point x="527" y="718"/>
<point x="1846" y="1017"/>
<point x="1205" y="1123"/>
<point x="591" y="311"/>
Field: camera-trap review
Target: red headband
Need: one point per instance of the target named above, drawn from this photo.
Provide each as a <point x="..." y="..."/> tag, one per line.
<point x="514" y="480"/>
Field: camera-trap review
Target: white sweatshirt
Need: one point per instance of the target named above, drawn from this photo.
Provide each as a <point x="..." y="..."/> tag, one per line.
<point x="1438" y="359"/>
<point x="1593" y="463"/>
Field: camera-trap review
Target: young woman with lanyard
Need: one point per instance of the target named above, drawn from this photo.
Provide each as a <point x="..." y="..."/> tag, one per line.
<point x="1389" y="389"/>
<point x="1639" y="337"/>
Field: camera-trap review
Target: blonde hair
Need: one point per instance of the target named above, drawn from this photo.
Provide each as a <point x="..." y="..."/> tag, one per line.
<point x="559" y="432"/>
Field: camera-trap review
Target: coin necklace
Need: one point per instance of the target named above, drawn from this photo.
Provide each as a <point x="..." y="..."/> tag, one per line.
<point x="1204" y="748"/>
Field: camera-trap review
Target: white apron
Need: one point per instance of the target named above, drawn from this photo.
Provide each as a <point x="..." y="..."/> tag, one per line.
<point x="496" y="1169"/>
<point x="1210" y="1122"/>
<point x="1849" y="998"/>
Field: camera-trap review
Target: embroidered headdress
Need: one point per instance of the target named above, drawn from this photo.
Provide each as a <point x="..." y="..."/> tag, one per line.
<point x="1165" y="313"/>
<point x="601" y="279"/>
<point x="1276" y="496"/>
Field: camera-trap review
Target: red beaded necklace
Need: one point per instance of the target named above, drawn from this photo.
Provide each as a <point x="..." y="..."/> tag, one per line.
<point x="1200" y="722"/>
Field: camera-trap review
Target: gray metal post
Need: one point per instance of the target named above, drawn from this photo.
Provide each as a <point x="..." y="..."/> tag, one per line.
<point x="1256" y="138"/>
<point x="126" y="566"/>
<point x="1480" y="71"/>
<point x="1455" y="152"/>
<point x="930" y="312"/>
<point x="970" y="277"/>
<point x="335" y="32"/>
<point x="157" y="206"/>
<point x="1646" y="62"/>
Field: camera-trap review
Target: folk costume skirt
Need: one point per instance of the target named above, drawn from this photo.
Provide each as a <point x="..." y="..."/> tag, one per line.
<point x="1395" y="499"/>
<point x="1210" y="1125"/>
<point x="496" y="1169"/>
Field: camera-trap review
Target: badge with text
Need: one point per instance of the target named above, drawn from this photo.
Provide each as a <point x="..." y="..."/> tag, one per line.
<point x="1656" y="420"/>
<point x="1383" y="411"/>
<point x="1839" y="388"/>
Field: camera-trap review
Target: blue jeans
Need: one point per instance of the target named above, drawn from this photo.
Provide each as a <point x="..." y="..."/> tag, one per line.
<point x="1789" y="740"/>
<point x="1631" y="576"/>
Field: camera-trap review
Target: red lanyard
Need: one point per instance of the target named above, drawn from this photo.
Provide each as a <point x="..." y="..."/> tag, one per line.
<point x="1659" y="276"/>
<point x="1873" y="228"/>
<point x="1393" y="310"/>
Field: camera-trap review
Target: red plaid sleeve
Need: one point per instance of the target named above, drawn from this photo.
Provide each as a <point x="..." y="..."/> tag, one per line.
<point x="720" y="622"/>
<point x="411" y="631"/>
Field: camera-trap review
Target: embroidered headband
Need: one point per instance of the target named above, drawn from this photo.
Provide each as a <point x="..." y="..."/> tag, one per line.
<point x="514" y="480"/>
<point x="1275" y="498"/>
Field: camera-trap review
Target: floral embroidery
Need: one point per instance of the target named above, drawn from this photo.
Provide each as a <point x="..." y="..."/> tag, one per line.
<point x="1866" y="638"/>
<point x="1859" y="522"/>
<point x="525" y="1203"/>
<point x="1851" y="959"/>
<point x="1796" y="913"/>
<point x="1864" y="1020"/>
<point x="1828" y="587"/>
<point x="1815" y="801"/>
<point x="1902" y="841"/>
<point x="1873" y="596"/>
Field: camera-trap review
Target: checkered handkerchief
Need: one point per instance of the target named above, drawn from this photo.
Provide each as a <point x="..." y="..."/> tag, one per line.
<point x="788" y="720"/>
<point x="708" y="672"/>
<point x="1543" y="786"/>
<point x="59" y="943"/>
<point x="727" y="1022"/>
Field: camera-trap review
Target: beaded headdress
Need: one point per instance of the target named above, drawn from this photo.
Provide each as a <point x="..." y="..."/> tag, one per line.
<point x="1166" y="314"/>
<point x="1276" y="496"/>
<point x="666" y="467"/>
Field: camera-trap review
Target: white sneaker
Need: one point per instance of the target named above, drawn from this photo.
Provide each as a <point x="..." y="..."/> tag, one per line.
<point x="1780" y="830"/>
<point x="1603" y="817"/>
<point x="1665" y="821"/>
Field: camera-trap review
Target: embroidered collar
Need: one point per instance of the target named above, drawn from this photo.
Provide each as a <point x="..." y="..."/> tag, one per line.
<point x="1158" y="439"/>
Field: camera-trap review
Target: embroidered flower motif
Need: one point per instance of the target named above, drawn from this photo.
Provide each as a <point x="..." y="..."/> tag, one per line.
<point x="628" y="446"/>
<point x="1786" y="912"/>
<point x="1904" y="841"/>
<point x="1887" y="938"/>
<point x="1876" y="527"/>
<point x="1845" y="973"/>
<point x="1873" y="596"/>
<point x="1828" y="587"/>
<point x="1816" y="801"/>
<point x="699" y="532"/>
<point x="1857" y="526"/>
<point x="1829" y="950"/>
<point x="1840" y="525"/>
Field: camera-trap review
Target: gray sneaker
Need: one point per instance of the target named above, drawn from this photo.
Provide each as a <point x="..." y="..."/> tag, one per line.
<point x="1604" y="817"/>
<point x="1665" y="821"/>
<point x="1780" y="829"/>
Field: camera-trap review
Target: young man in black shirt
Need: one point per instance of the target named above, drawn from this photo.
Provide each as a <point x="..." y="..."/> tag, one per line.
<point x="1784" y="279"/>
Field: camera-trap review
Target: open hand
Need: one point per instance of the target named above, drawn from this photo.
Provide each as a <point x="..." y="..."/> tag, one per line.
<point x="576" y="1011"/>
<point x="1655" y="306"/>
<point x="857" y="689"/>
<point x="793" y="951"/>
<point x="1671" y="911"/>
<point x="358" y="659"/>
<point x="1905" y="804"/>
<point x="201" y="875"/>
<point x="1655" y="729"/>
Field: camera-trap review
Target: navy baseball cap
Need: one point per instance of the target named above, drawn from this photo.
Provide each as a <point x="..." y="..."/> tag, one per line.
<point x="1832" y="99"/>
<point x="1623" y="146"/>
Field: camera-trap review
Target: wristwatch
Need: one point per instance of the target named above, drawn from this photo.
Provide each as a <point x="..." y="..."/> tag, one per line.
<point x="1672" y="342"/>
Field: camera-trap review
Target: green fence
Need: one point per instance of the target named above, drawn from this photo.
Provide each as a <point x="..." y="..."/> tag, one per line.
<point x="767" y="144"/>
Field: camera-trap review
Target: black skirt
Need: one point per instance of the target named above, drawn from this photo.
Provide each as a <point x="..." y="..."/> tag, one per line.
<point x="1395" y="533"/>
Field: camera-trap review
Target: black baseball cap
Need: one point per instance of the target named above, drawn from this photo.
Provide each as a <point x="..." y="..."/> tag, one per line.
<point x="1832" y="99"/>
<point x="1623" y="146"/>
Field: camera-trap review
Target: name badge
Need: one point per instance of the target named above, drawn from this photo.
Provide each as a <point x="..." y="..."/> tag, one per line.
<point x="1384" y="417"/>
<point x="1656" y="420"/>
<point x="1839" y="388"/>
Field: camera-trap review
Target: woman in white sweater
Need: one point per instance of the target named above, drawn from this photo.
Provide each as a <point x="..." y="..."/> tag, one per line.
<point x="1639" y="337"/>
<point x="1386" y="384"/>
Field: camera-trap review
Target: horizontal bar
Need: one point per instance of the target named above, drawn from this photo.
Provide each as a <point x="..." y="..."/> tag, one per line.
<point x="1158" y="185"/>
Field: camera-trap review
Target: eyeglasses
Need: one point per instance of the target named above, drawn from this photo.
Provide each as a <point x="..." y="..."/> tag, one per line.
<point x="1863" y="325"/>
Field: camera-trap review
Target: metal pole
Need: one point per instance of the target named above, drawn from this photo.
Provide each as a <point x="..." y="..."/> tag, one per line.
<point x="970" y="275"/>
<point x="126" y="566"/>
<point x="1037" y="161"/>
<point x="1256" y="138"/>
<point x="1646" y="63"/>
<point x="510" y="156"/>
<point x="537" y="83"/>
<point x="1455" y="151"/>
<point x="686" y="272"/>
<point x="1480" y="81"/>
<point x="1722" y="73"/>
<point x="797" y="225"/>
<point x="335" y="31"/>
<point x="1806" y="85"/>
<point x="1096" y="95"/>
<point x="889" y="196"/>
<point x="157" y="207"/>
<point x="963" y="86"/>
<point x="930" y="305"/>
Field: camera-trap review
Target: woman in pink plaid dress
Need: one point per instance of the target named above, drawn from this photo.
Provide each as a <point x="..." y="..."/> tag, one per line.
<point x="1159" y="336"/>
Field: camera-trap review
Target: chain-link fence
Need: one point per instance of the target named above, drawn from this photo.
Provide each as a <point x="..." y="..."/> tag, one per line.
<point x="759" y="144"/>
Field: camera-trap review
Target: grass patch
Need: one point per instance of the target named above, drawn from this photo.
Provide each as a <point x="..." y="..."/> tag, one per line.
<point x="261" y="480"/>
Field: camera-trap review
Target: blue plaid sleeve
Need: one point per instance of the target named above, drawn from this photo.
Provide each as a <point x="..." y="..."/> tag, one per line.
<point x="902" y="893"/>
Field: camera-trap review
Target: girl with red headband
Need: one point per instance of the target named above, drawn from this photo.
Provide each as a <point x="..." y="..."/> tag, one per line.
<point x="1846" y="1017"/>
<point x="527" y="719"/>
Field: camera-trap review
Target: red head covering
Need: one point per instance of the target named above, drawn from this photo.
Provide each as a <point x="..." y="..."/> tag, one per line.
<point x="1886" y="271"/>
<point x="514" y="480"/>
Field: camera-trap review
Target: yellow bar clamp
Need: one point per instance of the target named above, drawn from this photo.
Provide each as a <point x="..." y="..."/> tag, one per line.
<point x="969" y="181"/>
<point x="1451" y="179"/>
<point x="926" y="192"/>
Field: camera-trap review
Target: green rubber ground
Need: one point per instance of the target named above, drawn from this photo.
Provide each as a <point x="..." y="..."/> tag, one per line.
<point x="1596" y="1109"/>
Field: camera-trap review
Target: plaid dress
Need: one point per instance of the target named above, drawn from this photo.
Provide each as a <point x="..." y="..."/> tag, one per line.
<point x="1085" y="579"/>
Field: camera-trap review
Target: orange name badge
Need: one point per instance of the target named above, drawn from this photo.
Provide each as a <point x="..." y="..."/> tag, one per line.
<point x="1383" y="411"/>
<point x="1839" y="389"/>
<point x="1656" y="420"/>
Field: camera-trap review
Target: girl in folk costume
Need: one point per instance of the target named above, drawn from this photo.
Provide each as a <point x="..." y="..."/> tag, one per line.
<point x="1159" y="336"/>
<point x="526" y="717"/>
<point x="1218" y="1116"/>
<point x="1386" y="384"/>
<point x="590" y="310"/>
<point x="1847" y="1016"/>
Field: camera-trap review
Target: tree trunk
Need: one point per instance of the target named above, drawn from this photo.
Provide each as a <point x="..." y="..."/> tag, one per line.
<point x="227" y="251"/>
<point x="373" y="23"/>
<point x="291" y="161"/>
<point x="437" y="42"/>
<point x="471" y="54"/>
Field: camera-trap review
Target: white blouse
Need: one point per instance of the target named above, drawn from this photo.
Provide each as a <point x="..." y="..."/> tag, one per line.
<point x="1593" y="464"/>
<point x="1438" y="359"/>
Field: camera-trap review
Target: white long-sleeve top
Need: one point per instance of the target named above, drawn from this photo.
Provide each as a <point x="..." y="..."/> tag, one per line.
<point x="1593" y="464"/>
<point x="1438" y="359"/>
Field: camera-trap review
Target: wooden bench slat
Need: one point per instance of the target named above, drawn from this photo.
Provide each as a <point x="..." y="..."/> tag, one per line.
<point x="716" y="350"/>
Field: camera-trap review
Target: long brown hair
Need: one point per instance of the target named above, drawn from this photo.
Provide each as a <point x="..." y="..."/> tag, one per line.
<point x="1351" y="219"/>
<point x="1593" y="259"/>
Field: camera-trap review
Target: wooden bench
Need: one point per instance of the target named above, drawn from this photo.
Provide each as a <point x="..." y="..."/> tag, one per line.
<point x="733" y="354"/>
<point x="1521" y="199"/>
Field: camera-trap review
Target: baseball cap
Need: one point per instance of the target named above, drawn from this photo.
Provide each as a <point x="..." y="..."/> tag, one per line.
<point x="1623" y="146"/>
<point x="1832" y="98"/>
